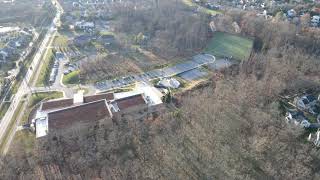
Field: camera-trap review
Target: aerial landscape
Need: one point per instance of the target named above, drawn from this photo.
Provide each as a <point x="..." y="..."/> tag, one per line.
<point x="159" y="89"/>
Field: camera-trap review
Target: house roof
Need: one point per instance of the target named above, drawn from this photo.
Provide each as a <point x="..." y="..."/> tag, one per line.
<point x="8" y="50"/>
<point x="107" y="37"/>
<point x="131" y="101"/>
<point x="83" y="38"/>
<point x="63" y="103"/>
<point x="106" y="96"/>
<point x="12" y="44"/>
<point x="88" y="112"/>
<point x="311" y="98"/>
<point x="50" y="105"/>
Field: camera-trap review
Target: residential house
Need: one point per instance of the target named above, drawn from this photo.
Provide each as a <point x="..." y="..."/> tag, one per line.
<point x="7" y="53"/>
<point x="21" y="41"/>
<point x="306" y="103"/>
<point x="107" y="40"/>
<point x="291" y="13"/>
<point x="315" y="21"/>
<point x="82" y="40"/>
<point x="298" y="118"/>
<point x="24" y="40"/>
<point x="84" y="25"/>
<point x="76" y="5"/>
<point x="3" y="55"/>
<point x="316" y="139"/>
<point x="14" y="44"/>
<point x="212" y="6"/>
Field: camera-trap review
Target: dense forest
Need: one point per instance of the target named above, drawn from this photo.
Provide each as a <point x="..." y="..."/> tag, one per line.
<point x="169" y="27"/>
<point x="29" y="12"/>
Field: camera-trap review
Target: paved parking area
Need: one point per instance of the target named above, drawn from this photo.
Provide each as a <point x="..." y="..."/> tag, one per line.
<point x="193" y="75"/>
<point x="196" y="62"/>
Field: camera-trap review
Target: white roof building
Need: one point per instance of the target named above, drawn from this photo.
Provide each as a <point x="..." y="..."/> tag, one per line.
<point x="84" y="24"/>
<point x="169" y="83"/>
<point x="152" y="94"/>
<point x="315" y="19"/>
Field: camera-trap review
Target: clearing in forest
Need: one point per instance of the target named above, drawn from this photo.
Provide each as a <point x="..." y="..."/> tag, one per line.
<point x="226" y="45"/>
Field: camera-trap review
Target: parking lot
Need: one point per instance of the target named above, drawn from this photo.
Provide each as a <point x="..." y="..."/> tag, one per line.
<point x="196" y="62"/>
<point x="192" y="75"/>
<point x="56" y="66"/>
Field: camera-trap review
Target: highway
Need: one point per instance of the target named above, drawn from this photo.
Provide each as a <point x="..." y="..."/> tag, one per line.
<point x="24" y="88"/>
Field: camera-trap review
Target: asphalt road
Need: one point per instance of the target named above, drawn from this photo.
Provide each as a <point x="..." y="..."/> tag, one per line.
<point x="24" y="89"/>
<point x="16" y="70"/>
<point x="196" y="62"/>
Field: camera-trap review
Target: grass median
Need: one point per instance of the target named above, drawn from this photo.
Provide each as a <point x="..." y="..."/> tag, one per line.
<point x="43" y="79"/>
<point x="38" y="97"/>
<point x="10" y="127"/>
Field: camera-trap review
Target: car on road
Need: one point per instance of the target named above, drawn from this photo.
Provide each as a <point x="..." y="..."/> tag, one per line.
<point x="66" y="64"/>
<point x="66" y="72"/>
<point x="53" y="75"/>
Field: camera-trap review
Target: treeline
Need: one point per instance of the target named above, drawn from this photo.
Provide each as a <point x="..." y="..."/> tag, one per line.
<point x="169" y="27"/>
<point x="35" y="13"/>
<point x="271" y="33"/>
